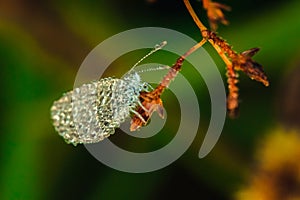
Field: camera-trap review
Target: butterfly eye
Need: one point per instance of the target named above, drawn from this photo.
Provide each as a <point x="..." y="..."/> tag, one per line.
<point x="145" y="86"/>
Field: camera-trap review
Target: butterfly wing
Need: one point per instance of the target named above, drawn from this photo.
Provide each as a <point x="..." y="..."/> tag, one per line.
<point x="84" y="115"/>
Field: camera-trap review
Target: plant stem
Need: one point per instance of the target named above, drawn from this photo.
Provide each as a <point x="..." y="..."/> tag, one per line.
<point x="194" y="48"/>
<point x="194" y="16"/>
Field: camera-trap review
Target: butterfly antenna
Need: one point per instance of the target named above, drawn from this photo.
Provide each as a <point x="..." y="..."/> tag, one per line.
<point x="154" y="69"/>
<point x="156" y="48"/>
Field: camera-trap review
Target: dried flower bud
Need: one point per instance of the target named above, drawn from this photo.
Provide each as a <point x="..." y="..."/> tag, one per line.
<point x="245" y="63"/>
<point x="215" y="13"/>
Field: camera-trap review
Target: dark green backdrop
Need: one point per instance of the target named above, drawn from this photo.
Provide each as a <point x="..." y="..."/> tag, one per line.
<point x="42" y="44"/>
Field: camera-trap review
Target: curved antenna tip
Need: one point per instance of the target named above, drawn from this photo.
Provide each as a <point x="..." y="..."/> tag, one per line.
<point x="164" y="43"/>
<point x="161" y="45"/>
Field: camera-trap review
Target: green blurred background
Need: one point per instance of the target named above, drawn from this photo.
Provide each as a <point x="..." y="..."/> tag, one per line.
<point x="42" y="45"/>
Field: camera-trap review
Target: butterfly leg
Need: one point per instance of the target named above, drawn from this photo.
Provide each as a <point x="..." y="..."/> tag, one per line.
<point x="143" y="107"/>
<point x="139" y="116"/>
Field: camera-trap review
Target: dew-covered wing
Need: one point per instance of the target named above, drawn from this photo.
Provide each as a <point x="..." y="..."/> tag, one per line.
<point x="85" y="115"/>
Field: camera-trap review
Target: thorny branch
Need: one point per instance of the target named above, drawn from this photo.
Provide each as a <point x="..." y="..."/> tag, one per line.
<point x="234" y="62"/>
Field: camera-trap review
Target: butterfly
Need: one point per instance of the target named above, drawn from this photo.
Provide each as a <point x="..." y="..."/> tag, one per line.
<point x="92" y="112"/>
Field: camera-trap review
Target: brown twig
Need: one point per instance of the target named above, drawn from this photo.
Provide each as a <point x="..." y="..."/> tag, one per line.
<point x="234" y="61"/>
